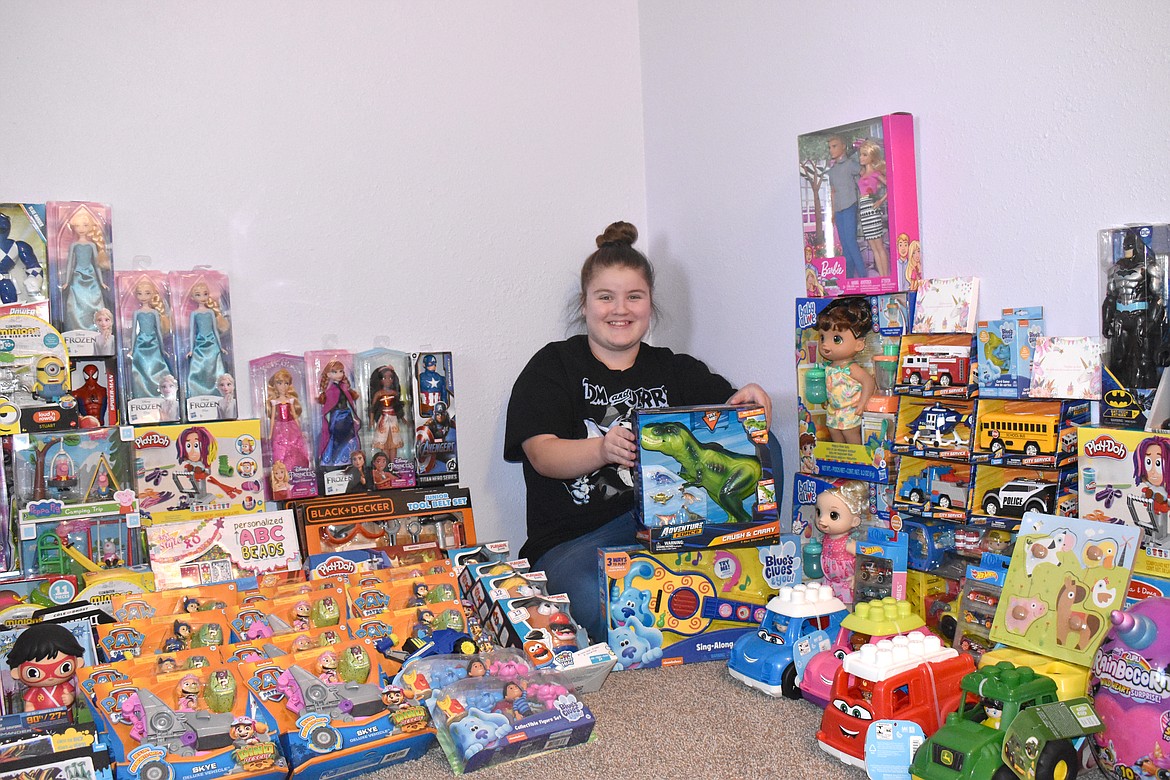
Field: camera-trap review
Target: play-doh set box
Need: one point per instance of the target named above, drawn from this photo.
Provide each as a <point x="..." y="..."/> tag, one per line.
<point x="1123" y="481"/>
<point x="1005" y="350"/>
<point x="859" y="206"/>
<point x="195" y="472"/>
<point x="704" y="478"/>
<point x="665" y="609"/>
<point x="868" y="459"/>
<point x="333" y="524"/>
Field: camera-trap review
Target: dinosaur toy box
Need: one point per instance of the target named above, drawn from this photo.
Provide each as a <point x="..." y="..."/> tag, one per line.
<point x="704" y="478"/>
<point x="665" y="609"/>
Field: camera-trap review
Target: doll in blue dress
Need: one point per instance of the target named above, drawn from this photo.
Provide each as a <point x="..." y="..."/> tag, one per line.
<point x="151" y="329"/>
<point x="205" y="360"/>
<point x="339" y="421"/>
<point x="84" y="285"/>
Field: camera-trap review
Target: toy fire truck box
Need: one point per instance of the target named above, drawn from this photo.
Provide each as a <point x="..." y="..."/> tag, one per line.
<point x="1134" y="296"/>
<point x="23" y="251"/>
<point x="974" y="612"/>
<point x="704" y="478"/>
<point x="937" y="365"/>
<point x="1037" y="433"/>
<point x="1002" y="494"/>
<point x="442" y="514"/>
<point x="1005" y="348"/>
<point x="819" y="454"/>
<point x="668" y="609"/>
<point x="935" y="428"/>
<point x="933" y="488"/>
<point x="434" y="415"/>
<point x="201" y="552"/>
<point x="482" y="721"/>
<point x="197" y="472"/>
<point x="1122" y="480"/>
<point x="859" y="205"/>
<point x="34" y="378"/>
<point x="155" y="730"/>
<point x="881" y="565"/>
<point x="335" y="713"/>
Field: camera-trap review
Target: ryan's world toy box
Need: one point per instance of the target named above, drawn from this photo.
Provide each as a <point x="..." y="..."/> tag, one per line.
<point x="704" y="478"/>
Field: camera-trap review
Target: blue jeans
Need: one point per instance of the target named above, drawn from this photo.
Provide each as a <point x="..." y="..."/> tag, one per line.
<point x="846" y="222"/>
<point x="573" y="568"/>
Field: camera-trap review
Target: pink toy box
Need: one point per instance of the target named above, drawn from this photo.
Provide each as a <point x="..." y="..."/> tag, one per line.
<point x="859" y="204"/>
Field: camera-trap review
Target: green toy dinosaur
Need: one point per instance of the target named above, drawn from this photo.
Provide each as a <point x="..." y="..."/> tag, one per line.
<point x="728" y="477"/>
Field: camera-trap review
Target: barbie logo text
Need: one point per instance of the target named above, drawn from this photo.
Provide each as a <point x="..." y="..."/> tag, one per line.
<point x="1106" y="446"/>
<point x="152" y="439"/>
<point x="832" y="268"/>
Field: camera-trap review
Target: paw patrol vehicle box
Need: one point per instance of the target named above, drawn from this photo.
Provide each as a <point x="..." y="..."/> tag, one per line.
<point x="704" y="478"/>
<point x="665" y="609"/>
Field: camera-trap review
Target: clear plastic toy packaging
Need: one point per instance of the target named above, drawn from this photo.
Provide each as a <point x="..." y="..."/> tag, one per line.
<point x="384" y="376"/>
<point x="81" y="276"/>
<point x="148" y="347"/>
<point x="23" y="283"/>
<point x="336" y="414"/>
<point x="436" y="453"/>
<point x="200" y="299"/>
<point x="279" y="396"/>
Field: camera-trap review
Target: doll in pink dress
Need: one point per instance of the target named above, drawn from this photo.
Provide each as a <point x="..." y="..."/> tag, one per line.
<point x="839" y="511"/>
<point x="284" y="417"/>
<point x="844" y="325"/>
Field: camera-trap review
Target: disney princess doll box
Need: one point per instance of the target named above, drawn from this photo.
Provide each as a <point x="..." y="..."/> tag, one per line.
<point x="1123" y="480"/>
<point x="193" y="472"/>
<point x="279" y="389"/>
<point x="203" y="335"/>
<point x="81" y="276"/>
<point x="704" y="478"/>
<point x="859" y="207"/>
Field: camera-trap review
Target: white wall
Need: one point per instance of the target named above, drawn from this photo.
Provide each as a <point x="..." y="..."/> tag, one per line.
<point x="431" y="174"/>
<point x="1037" y="123"/>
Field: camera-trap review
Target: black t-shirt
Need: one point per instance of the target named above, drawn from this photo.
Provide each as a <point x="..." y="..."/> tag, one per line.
<point x="567" y="392"/>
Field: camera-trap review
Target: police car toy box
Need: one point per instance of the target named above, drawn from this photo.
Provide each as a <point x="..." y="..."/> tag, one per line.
<point x="704" y="478"/>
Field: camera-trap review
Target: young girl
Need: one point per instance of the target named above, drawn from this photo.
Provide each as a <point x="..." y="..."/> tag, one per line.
<point x="576" y="446"/>
<point x="871" y="204"/>
<point x="839" y="510"/>
<point x="206" y="354"/>
<point x="843" y="326"/>
<point x="386" y="410"/>
<point x="287" y="440"/>
<point x="339" y="425"/>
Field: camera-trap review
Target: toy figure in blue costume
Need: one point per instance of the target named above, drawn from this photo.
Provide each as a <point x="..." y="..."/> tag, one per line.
<point x="339" y="424"/>
<point x="84" y="285"/>
<point x="148" y="362"/>
<point x="205" y="360"/>
<point x="11" y="251"/>
<point x="432" y="386"/>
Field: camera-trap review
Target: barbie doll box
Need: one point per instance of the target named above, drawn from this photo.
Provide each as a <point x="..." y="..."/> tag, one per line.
<point x="704" y="478"/>
<point x="1123" y="476"/>
<point x="859" y="206"/>
<point x="193" y="472"/>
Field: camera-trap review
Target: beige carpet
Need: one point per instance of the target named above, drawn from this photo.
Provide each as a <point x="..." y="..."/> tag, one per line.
<point x="690" y="721"/>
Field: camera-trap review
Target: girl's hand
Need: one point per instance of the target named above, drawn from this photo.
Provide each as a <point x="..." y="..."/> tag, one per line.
<point x="755" y="395"/>
<point x="619" y="445"/>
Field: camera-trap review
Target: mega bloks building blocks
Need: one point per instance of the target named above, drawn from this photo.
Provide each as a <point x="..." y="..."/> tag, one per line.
<point x="909" y="677"/>
<point x="800" y="621"/>
<point x="1013" y="725"/>
<point x="859" y="199"/>
<point x="704" y="477"/>
<point x="870" y="621"/>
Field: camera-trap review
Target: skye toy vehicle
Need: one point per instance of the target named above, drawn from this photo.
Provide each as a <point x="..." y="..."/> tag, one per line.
<point x="871" y="621"/>
<point x="938" y="485"/>
<point x="1020" y="496"/>
<point x="800" y="622"/>
<point x="1013" y="712"/>
<point x="911" y="677"/>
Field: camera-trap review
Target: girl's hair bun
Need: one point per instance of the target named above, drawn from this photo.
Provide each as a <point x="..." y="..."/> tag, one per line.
<point x="618" y="233"/>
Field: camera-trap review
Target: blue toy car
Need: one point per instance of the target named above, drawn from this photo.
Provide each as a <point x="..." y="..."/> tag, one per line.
<point x="800" y="622"/>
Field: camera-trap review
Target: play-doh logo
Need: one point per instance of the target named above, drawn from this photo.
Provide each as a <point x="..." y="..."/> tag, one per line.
<point x="806" y="491"/>
<point x="336" y="567"/>
<point x="152" y="440"/>
<point x="1131" y="675"/>
<point x="1105" y="446"/>
<point x="806" y="315"/>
